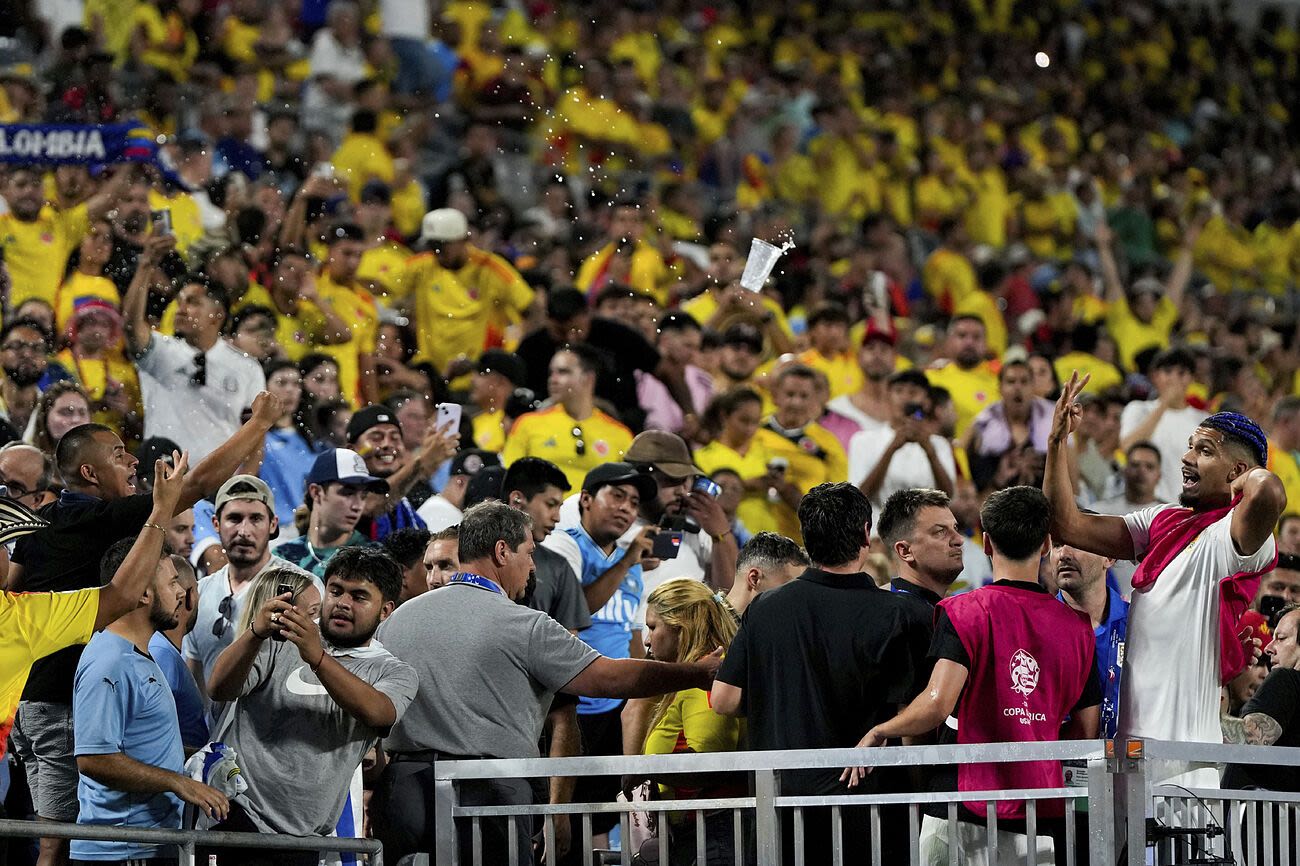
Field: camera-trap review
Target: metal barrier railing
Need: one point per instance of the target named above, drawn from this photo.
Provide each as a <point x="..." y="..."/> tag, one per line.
<point x="757" y="820"/>
<point x="185" y="841"/>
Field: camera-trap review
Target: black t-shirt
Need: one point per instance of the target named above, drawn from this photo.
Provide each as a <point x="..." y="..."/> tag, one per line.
<point x="822" y="660"/>
<point x="626" y="351"/>
<point x="1279" y="698"/>
<point x="65" y="556"/>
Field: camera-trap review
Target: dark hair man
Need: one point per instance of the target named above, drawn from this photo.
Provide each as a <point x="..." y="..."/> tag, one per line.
<point x="406" y="547"/>
<point x="766" y="561"/>
<point x="819" y="652"/>
<point x="1014" y="625"/>
<point x="311" y="703"/>
<point x="488" y="669"/>
<point x="918" y="527"/>
<point x="1230" y="504"/>
<point x="98" y="506"/>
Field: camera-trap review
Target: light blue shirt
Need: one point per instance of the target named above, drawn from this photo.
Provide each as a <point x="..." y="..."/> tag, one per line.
<point x="189" y="703"/>
<point x="121" y="703"/>
<point x="288" y="459"/>
<point x="611" y="627"/>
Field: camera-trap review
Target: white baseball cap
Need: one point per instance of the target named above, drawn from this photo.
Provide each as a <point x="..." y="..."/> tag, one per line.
<point x="444" y="225"/>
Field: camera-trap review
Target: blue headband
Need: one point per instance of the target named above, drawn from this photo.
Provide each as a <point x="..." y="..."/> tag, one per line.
<point x="1243" y="429"/>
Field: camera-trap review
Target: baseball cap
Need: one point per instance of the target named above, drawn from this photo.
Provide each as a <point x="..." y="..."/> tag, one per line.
<point x="508" y="364"/>
<point x="875" y="332"/>
<point x="444" y="224"/>
<point x="620" y="473"/>
<point x="471" y="460"/>
<point x="344" y="465"/>
<point x="371" y="416"/>
<point x="376" y="192"/>
<point x="743" y="334"/>
<point x="665" y="451"/>
<point x="484" y="485"/>
<point x="249" y="488"/>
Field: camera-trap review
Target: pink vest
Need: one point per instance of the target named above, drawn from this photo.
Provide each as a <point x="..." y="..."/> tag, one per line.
<point x="1030" y="658"/>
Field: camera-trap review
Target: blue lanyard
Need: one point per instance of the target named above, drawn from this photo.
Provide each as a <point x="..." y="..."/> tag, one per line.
<point x="476" y="580"/>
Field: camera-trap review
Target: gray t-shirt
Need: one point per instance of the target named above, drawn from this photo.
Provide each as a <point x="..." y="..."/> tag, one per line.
<point x="558" y="591"/>
<point x="488" y="669"/>
<point x="203" y="644"/>
<point x="298" y="748"/>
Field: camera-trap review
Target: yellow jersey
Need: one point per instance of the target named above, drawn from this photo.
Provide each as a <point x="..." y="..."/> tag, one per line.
<point x="362" y="157"/>
<point x="754" y="511"/>
<point x="1283" y="464"/>
<point x="79" y="288"/>
<point x="648" y="274"/>
<point x="359" y="309"/>
<point x="842" y="370"/>
<point x="36" y="253"/>
<point x="454" y="309"/>
<point x="94" y="376"/>
<point x="577" y="447"/>
<point x="1104" y="376"/>
<point x="815" y="457"/>
<point x="490" y="431"/>
<point x="972" y="390"/>
<point x="381" y="269"/>
<point x="704" y="306"/>
<point x="1132" y="336"/>
<point x="33" y="625"/>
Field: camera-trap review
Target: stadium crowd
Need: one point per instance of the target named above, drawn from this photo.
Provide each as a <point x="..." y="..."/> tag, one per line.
<point x="381" y="303"/>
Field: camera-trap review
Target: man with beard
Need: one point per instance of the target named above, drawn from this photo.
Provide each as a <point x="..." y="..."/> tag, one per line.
<point x="1081" y="583"/>
<point x="311" y="702"/>
<point x="132" y="231"/>
<point x="195" y="385"/>
<point x="245" y="522"/>
<point x="127" y="739"/>
<point x="165" y="647"/>
<point x="98" y="506"/>
<point x="24" y="355"/>
<point x="36" y="239"/>
<point x="180" y="533"/>
<point x="869" y="405"/>
<point x="1201" y="565"/>
<point x="967" y="376"/>
<point x="741" y="353"/>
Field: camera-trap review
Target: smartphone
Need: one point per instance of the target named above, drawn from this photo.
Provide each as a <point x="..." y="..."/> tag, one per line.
<point x="448" y="417"/>
<point x="915" y="411"/>
<point x="707" y="486"/>
<point x="162" y="221"/>
<point x="282" y="589"/>
<point x="323" y="169"/>
<point x="667" y="544"/>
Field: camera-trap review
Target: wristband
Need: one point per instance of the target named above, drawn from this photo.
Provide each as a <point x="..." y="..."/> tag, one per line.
<point x="253" y="628"/>
<point x="315" y="668"/>
<point x="717" y="539"/>
<point x="154" y="526"/>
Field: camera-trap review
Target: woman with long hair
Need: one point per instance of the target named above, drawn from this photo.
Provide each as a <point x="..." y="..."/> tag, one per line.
<point x="61" y="407"/>
<point x="306" y="597"/>
<point x="731" y="420"/>
<point x="685" y="621"/>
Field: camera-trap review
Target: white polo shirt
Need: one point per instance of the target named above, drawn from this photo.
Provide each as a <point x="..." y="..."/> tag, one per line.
<point x="197" y="418"/>
<point x="1170" y="687"/>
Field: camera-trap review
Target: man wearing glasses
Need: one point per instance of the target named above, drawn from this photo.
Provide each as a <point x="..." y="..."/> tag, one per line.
<point x="25" y="473"/>
<point x="245" y="521"/>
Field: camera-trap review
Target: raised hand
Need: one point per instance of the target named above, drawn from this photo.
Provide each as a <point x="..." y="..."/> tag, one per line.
<point x="1066" y="417"/>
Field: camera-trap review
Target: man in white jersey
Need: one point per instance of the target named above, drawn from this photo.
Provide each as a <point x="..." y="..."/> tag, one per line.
<point x="1199" y="559"/>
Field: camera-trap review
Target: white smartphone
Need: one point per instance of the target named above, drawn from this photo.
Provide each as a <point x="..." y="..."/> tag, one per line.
<point x="448" y="417"/>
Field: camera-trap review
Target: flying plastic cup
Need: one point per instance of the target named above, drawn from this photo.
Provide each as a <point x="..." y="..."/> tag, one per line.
<point x="762" y="258"/>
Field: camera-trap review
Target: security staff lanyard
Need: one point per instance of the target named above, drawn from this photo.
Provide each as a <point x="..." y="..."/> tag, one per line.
<point x="478" y="580"/>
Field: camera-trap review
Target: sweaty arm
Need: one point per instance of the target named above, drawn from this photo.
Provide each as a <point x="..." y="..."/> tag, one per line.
<point x="1263" y="498"/>
<point x="929" y="709"/>
<point x="1254" y="729"/>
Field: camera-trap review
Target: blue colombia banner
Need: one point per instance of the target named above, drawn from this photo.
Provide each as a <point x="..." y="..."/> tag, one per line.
<point x="62" y="144"/>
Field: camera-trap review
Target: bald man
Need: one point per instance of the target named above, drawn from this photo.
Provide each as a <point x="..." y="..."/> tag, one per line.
<point x="26" y="472"/>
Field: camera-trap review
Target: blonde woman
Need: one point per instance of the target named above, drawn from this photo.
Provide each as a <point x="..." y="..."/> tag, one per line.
<point x="685" y="621"/>
<point x="306" y="595"/>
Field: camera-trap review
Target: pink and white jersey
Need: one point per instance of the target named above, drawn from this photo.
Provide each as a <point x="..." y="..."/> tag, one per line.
<point x="1171" y="670"/>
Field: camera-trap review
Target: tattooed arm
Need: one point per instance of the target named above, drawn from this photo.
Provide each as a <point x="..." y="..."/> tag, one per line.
<point x="1256" y="729"/>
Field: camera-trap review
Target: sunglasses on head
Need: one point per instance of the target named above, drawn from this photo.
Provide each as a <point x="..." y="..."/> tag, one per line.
<point x="222" y="625"/>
